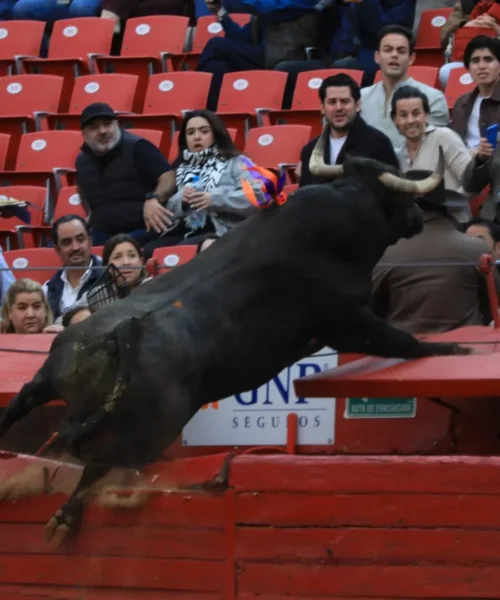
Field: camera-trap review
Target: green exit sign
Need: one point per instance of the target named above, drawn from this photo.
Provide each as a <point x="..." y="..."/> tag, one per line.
<point x="380" y="408"/>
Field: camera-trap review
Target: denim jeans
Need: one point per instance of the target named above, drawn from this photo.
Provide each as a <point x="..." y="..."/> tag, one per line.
<point x="50" y="10"/>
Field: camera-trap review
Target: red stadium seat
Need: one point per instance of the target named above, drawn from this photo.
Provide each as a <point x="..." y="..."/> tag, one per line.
<point x="21" y="97"/>
<point x="37" y="197"/>
<point x="72" y="43"/>
<point x="119" y="91"/>
<point x="459" y="83"/>
<point x="29" y="262"/>
<point x="45" y="158"/>
<point x="173" y="256"/>
<point x="18" y="39"/>
<point x="4" y="149"/>
<point x="69" y="203"/>
<point x="207" y="27"/>
<point x="148" y="43"/>
<point x="167" y="96"/>
<point x="152" y="135"/>
<point x="277" y="146"/>
<point x="427" y="44"/>
<point x="244" y="93"/>
<point x="305" y="102"/>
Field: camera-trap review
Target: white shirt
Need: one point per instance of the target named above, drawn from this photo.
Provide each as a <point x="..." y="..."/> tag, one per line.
<point x="473" y="135"/>
<point x="335" y="148"/>
<point x="70" y="294"/>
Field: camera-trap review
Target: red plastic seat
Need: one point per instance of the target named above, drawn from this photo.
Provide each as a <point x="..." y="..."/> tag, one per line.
<point x="148" y="43"/>
<point x="4" y="149"/>
<point x="19" y="39"/>
<point x="207" y="27"/>
<point x="23" y="262"/>
<point x="427" y="75"/>
<point x="97" y="250"/>
<point x="119" y="91"/>
<point x="167" y="96"/>
<point x="72" y="44"/>
<point x="427" y="44"/>
<point x="69" y="203"/>
<point x="174" y="147"/>
<point x="21" y="97"/>
<point x="459" y="83"/>
<point x="152" y="135"/>
<point x="243" y="93"/>
<point x="173" y="256"/>
<point x="45" y="158"/>
<point x="305" y="101"/>
<point x="36" y="196"/>
<point x="277" y="146"/>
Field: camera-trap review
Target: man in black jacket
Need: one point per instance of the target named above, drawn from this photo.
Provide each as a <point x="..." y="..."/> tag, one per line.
<point x="347" y="133"/>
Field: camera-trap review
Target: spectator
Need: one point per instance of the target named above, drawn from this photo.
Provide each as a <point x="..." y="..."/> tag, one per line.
<point x="394" y="55"/>
<point x="431" y="298"/>
<point x="482" y="171"/>
<point x="354" y="26"/>
<point x="73" y="243"/>
<point x="122" y="179"/>
<point x="348" y="134"/>
<point x="124" y="252"/>
<point x="410" y="112"/>
<point x="240" y="49"/>
<point x="474" y="112"/>
<point x="25" y="308"/>
<point x="54" y="10"/>
<point x="6" y="277"/>
<point x="461" y="27"/>
<point x="487" y="231"/>
<point x="217" y="202"/>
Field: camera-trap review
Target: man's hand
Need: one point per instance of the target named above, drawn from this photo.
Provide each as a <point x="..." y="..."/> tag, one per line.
<point x="53" y="329"/>
<point x="485" y="150"/>
<point x="156" y="216"/>
<point x="200" y="200"/>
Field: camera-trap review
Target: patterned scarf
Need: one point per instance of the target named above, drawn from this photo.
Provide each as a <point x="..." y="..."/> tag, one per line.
<point x="209" y="166"/>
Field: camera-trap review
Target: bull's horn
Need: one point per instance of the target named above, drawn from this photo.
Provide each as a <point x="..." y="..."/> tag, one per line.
<point x="424" y="186"/>
<point x="317" y="164"/>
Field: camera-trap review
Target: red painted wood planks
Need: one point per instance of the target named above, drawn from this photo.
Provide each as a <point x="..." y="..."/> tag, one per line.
<point x="439" y="475"/>
<point x="153" y="573"/>
<point x="145" y="542"/>
<point x="368" y="510"/>
<point x="368" y="581"/>
<point x="190" y="510"/>
<point x="367" y="545"/>
<point x="9" y="592"/>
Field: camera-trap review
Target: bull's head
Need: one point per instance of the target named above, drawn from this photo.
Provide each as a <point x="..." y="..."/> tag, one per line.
<point x="396" y="193"/>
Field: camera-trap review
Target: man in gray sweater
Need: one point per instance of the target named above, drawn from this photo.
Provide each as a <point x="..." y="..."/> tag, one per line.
<point x="394" y="55"/>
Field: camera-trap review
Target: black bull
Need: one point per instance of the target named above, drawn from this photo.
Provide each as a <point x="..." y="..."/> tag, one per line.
<point x="283" y="284"/>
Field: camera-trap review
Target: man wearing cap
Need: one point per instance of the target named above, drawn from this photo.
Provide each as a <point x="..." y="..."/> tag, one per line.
<point x="123" y="179"/>
<point x="431" y="283"/>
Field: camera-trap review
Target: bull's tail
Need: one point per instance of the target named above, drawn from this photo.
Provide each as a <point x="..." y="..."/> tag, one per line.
<point x="32" y="395"/>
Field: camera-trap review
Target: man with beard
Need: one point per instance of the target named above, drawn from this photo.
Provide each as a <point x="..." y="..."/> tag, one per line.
<point x="123" y="179"/>
<point x="73" y="243"/>
<point x="347" y="133"/>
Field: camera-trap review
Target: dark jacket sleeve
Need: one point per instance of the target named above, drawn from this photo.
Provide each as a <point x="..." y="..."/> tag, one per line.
<point x="384" y="151"/>
<point x="306" y="177"/>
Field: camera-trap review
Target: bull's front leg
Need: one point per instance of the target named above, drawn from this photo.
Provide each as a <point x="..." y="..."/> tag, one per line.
<point x="68" y="518"/>
<point x="372" y="335"/>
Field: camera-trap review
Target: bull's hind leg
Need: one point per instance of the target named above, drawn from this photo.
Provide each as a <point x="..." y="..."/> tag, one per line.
<point x="32" y="395"/>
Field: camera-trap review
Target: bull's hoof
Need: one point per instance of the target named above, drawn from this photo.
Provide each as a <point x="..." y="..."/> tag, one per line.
<point x="65" y="521"/>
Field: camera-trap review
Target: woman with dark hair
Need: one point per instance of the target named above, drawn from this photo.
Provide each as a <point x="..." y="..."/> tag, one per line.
<point x="210" y="174"/>
<point x="124" y="252"/>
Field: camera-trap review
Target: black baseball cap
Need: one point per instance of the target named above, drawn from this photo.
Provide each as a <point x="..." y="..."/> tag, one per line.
<point x="97" y="110"/>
